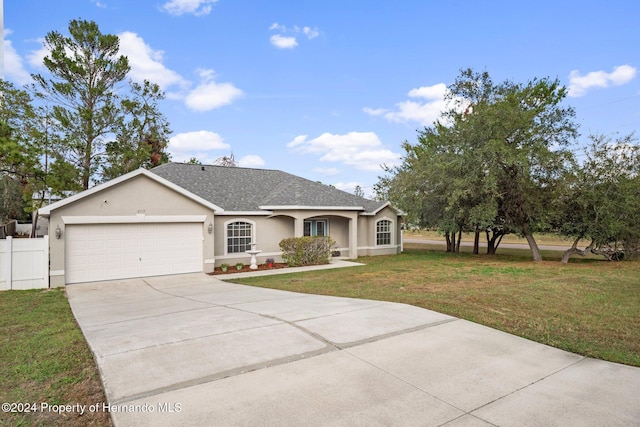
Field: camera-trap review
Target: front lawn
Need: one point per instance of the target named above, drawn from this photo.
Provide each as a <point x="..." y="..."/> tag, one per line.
<point x="589" y="307"/>
<point x="44" y="362"/>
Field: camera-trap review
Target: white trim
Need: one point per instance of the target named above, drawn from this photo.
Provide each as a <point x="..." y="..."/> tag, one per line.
<point x="378" y="247"/>
<point x="392" y="228"/>
<point x="132" y="219"/>
<point x="45" y="261"/>
<point x="246" y="255"/>
<point x="312" y="208"/>
<point x="254" y="233"/>
<point x="46" y="210"/>
<point x="209" y="261"/>
<point x="56" y="273"/>
<point x="244" y="213"/>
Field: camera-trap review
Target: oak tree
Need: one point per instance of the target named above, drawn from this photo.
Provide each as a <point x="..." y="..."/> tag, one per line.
<point x="494" y="161"/>
<point x="602" y="200"/>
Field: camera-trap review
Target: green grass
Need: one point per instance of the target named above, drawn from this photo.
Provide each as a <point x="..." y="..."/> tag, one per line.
<point x="589" y="307"/>
<point x="44" y="358"/>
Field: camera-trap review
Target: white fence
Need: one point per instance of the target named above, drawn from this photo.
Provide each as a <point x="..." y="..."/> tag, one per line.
<point x="24" y="263"/>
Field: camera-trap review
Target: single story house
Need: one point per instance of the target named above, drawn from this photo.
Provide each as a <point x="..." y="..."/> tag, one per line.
<point x="180" y="218"/>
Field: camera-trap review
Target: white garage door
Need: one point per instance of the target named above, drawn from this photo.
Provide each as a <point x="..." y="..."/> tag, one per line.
<point x="119" y="251"/>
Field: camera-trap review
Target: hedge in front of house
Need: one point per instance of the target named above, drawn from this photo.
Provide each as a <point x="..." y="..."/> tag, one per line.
<point x="298" y="251"/>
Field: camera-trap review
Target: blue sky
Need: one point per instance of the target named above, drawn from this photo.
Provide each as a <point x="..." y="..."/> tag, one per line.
<point x="328" y="90"/>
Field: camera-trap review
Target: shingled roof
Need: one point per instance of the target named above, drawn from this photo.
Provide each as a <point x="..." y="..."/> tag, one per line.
<point x="245" y="189"/>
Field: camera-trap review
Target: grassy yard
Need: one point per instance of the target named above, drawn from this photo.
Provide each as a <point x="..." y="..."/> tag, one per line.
<point x="44" y="358"/>
<point x="589" y="307"/>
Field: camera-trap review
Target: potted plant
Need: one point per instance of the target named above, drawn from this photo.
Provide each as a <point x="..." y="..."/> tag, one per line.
<point x="270" y="262"/>
<point x="239" y="266"/>
<point x="224" y="267"/>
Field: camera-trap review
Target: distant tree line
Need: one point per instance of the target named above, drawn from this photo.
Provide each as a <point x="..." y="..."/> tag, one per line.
<point x="81" y="124"/>
<point x="499" y="161"/>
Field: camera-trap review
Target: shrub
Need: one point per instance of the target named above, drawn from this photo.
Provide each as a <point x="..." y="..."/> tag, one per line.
<point x="306" y="250"/>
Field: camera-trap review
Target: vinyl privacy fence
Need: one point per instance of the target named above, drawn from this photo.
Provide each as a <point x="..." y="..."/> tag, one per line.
<point x="24" y="263"/>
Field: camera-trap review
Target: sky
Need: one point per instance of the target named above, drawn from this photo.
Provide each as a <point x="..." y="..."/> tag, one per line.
<point x="329" y="90"/>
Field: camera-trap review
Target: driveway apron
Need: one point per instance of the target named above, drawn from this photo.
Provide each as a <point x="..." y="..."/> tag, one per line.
<point x="192" y="350"/>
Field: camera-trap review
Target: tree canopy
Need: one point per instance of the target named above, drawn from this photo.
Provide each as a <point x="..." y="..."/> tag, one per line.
<point x="22" y="146"/>
<point x="103" y="128"/>
<point x="80" y="124"/>
<point x="602" y="199"/>
<point x="494" y="161"/>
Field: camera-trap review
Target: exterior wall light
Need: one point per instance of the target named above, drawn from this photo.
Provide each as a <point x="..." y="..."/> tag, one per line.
<point x="210" y="227"/>
<point x="58" y="232"/>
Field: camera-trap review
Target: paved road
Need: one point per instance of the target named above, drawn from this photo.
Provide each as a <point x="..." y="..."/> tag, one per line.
<point x="191" y="350"/>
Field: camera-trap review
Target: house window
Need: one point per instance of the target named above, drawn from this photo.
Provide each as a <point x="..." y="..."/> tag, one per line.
<point x="383" y="232"/>
<point x="239" y="237"/>
<point x="316" y="227"/>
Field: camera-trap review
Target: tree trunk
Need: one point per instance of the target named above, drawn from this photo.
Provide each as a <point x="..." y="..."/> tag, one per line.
<point x="459" y="239"/>
<point x="448" y="239"/>
<point x="34" y="223"/>
<point x="490" y="242"/>
<point x="493" y="242"/>
<point x="535" y="251"/>
<point x="573" y="250"/>
<point x="605" y="254"/>
<point x="476" y="242"/>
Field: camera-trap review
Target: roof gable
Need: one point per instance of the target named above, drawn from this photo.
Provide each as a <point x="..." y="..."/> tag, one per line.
<point x="46" y="210"/>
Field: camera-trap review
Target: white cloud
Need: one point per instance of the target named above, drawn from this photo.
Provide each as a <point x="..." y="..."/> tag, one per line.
<point x="195" y="7"/>
<point x="424" y="112"/>
<point x="35" y="58"/>
<point x="288" y="37"/>
<point x="311" y="33"/>
<point x="298" y="140"/>
<point x="350" y="187"/>
<point x="435" y="92"/>
<point x="251" y="161"/>
<point x="210" y="94"/>
<point x="276" y="26"/>
<point x="361" y="150"/>
<point x="347" y="186"/>
<point x="13" y="67"/>
<point x="283" y="42"/>
<point x="579" y="84"/>
<point x="146" y="63"/>
<point x="622" y="74"/>
<point x="198" y="144"/>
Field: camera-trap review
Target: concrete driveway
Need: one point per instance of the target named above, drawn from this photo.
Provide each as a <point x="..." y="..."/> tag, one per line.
<point x="193" y="350"/>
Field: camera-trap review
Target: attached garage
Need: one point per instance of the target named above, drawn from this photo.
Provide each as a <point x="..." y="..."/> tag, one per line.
<point x="137" y="225"/>
<point x="119" y="251"/>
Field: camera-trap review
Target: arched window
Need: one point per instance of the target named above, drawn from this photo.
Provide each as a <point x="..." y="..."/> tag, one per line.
<point x="383" y="232"/>
<point x="239" y="236"/>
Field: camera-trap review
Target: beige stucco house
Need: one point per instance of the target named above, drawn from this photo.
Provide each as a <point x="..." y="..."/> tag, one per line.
<point x="179" y="218"/>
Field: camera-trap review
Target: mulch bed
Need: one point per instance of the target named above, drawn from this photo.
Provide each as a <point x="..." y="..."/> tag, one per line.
<point x="245" y="269"/>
